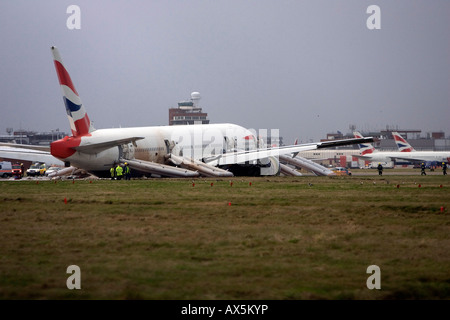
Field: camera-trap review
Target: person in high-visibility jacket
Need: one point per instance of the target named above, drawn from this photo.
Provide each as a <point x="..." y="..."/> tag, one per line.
<point x="119" y="172"/>
<point x="126" y="171"/>
<point x="113" y="172"/>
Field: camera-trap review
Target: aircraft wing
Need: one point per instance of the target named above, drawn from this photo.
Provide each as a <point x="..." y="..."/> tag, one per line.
<point x="412" y="159"/>
<point x="103" y="145"/>
<point x="362" y="157"/>
<point x="250" y="155"/>
<point x="371" y="158"/>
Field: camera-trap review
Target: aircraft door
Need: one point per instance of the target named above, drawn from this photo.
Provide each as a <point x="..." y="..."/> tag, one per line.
<point x="173" y="148"/>
<point x="229" y="144"/>
<point x="126" y="151"/>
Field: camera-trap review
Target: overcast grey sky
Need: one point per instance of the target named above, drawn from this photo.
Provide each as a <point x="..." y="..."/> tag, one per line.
<point x="304" y="67"/>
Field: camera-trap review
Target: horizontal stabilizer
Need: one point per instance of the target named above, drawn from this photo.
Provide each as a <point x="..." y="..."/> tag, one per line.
<point x="160" y="169"/>
<point x="25" y="146"/>
<point x="21" y="154"/>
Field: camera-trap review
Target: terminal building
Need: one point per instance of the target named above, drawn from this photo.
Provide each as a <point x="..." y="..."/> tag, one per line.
<point x="31" y="137"/>
<point x="188" y="112"/>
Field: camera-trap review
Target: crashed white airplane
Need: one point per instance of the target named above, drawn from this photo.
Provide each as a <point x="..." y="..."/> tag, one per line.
<point x="217" y="150"/>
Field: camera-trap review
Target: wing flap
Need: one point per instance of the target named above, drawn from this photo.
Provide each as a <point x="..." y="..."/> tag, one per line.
<point x="343" y="142"/>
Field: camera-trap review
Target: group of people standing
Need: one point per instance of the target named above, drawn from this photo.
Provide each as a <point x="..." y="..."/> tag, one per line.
<point x="118" y="172"/>
<point x="422" y="167"/>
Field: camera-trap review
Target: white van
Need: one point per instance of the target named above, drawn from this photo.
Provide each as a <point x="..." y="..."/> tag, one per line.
<point x="5" y="169"/>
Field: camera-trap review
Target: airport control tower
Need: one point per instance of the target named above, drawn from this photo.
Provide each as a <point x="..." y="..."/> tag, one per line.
<point x="188" y="112"/>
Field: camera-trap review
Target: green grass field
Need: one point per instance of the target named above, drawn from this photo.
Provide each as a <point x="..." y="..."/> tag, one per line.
<point x="278" y="238"/>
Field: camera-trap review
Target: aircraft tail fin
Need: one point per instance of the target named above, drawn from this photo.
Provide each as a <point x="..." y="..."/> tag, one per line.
<point x="80" y="124"/>
<point x="295" y="153"/>
<point x="364" y="147"/>
<point x="402" y="144"/>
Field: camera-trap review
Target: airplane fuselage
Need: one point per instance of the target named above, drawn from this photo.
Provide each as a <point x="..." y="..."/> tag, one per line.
<point x="438" y="156"/>
<point x="152" y="144"/>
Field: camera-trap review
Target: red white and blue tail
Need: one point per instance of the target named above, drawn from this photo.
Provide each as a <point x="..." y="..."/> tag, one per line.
<point x="402" y="144"/>
<point x="365" y="148"/>
<point x="78" y="118"/>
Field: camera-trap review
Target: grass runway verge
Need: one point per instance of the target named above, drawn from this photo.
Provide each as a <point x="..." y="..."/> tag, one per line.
<point x="276" y="238"/>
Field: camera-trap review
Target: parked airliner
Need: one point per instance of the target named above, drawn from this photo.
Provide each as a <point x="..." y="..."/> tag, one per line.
<point x="410" y="154"/>
<point x="369" y="153"/>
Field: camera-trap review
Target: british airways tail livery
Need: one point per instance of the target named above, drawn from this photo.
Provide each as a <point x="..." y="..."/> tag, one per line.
<point x="366" y="148"/>
<point x="402" y="144"/>
<point x="78" y="118"/>
<point x="217" y="150"/>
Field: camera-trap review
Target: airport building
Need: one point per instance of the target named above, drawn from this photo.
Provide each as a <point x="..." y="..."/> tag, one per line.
<point x="384" y="141"/>
<point x="32" y="137"/>
<point x="188" y="112"/>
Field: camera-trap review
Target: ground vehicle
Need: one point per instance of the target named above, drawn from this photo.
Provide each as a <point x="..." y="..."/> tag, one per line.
<point x="17" y="170"/>
<point x="341" y="171"/>
<point x="5" y="169"/>
<point x="37" y="169"/>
